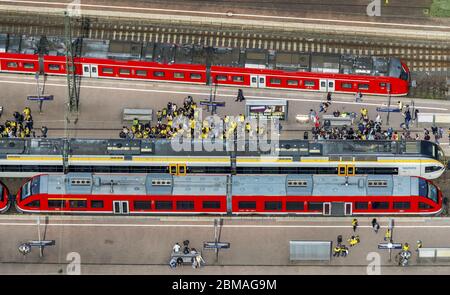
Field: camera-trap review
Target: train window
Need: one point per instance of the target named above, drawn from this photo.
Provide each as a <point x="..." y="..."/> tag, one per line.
<point x="295" y="205"/>
<point x="163" y="205"/>
<point x="96" y="204"/>
<point x="292" y="82"/>
<point x="195" y="76"/>
<point x="383" y="84"/>
<point x="56" y="203"/>
<point x="141" y="73"/>
<point x="53" y="67"/>
<point x="211" y="205"/>
<point x="361" y="205"/>
<point x="429" y="169"/>
<point x="238" y="78"/>
<point x="272" y="205"/>
<point x="35" y="203"/>
<point x="380" y="205"/>
<point x="78" y="204"/>
<point x="185" y="205"/>
<point x="247" y="205"/>
<point x="402" y="205"/>
<point x="423" y="205"/>
<point x="309" y="83"/>
<point x="158" y="74"/>
<point x="28" y="65"/>
<point x="124" y="71"/>
<point x="346" y="85"/>
<point x="12" y="65"/>
<point x="142" y="205"/>
<point x="178" y="75"/>
<point x="363" y="86"/>
<point x="107" y="70"/>
<point x="275" y="81"/>
<point x="315" y="206"/>
<point x="221" y="78"/>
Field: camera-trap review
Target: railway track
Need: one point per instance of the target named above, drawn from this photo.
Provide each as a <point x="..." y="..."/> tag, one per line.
<point x="420" y="56"/>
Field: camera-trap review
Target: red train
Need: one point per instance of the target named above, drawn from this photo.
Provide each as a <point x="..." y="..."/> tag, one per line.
<point x="86" y="193"/>
<point x="229" y="67"/>
<point x="4" y="198"/>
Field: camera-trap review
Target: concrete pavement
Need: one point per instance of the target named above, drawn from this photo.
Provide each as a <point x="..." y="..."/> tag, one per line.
<point x="102" y="102"/>
<point x="258" y="246"/>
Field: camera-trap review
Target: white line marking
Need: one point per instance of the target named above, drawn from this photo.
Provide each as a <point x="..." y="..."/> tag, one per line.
<point x="207" y="94"/>
<point x="211" y="226"/>
<point x="225" y="14"/>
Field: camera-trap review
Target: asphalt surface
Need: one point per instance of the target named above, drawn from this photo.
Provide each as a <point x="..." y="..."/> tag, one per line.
<point x="135" y="245"/>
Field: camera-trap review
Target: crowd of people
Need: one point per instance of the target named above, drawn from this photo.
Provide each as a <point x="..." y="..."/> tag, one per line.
<point x="368" y="128"/>
<point x="20" y="126"/>
<point x="168" y="126"/>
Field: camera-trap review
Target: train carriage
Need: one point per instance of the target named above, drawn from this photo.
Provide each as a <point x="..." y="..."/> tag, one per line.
<point x="87" y="193"/>
<point x="238" y="67"/>
<point x="26" y="157"/>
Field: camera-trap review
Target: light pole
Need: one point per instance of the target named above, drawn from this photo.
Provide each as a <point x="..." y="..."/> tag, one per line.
<point x="389" y="103"/>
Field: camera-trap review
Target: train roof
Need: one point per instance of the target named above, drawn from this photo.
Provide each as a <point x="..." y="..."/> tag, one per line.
<point x="242" y="185"/>
<point x="362" y="150"/>
<point x="151" y="184"/>
<point x="169" y="53"/>
<point x="324" y="185"/>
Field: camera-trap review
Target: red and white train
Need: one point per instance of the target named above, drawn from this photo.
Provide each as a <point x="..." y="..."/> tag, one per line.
<point x="229" y="67"/>
<point x="86" y="193"/>
<point x="4" y="198"/>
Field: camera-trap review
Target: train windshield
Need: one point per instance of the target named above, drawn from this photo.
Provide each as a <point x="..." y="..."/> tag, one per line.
<point x="428" y="190"/>
<point x="30" y="188"/>
<point x="433" y="150"/>
<point x="432" y="193"/>
<point x="1" y="193"/>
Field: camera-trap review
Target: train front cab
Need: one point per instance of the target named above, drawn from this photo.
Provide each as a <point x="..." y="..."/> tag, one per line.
<point x="4" y="198"/>
<point x="435" y="167"/>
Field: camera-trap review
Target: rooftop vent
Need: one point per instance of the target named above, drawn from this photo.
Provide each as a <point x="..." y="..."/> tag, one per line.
<point x="161" y="182"/>
<point x="81" y="181"/>
<point x="297" y="183"/>
<point x="377" y="183"/>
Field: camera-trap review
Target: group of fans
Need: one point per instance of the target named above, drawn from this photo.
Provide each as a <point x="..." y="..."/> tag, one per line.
<point x="175" y="120"/>
<point x="19" y="127"/>
<point x="367" y="128"/>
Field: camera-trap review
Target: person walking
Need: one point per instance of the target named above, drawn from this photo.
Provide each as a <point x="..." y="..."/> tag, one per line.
<point x="240" y="95"/>
<point x="337" y="250"/>
<point x="329" y="97"/>
<point x="358" y="96"/>
<point x="418" y="245"/>
<point x="375" y="225"/>
<point x="388" y="235"/>
<point x="354" y="224"/>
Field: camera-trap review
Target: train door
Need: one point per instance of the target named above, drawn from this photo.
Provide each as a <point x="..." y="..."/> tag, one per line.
<point x="326" y="208"/>
<point x="323" y="85"/>
<point x="327" y="85"/>
<point x="331" y="85"/>
<point x="348" y="209"/>
<point x="90" y="71"/>
<point x="257" y="81"/>
<point x="120" y="207"/>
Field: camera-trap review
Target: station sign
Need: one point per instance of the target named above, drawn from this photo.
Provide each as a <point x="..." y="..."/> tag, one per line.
<point x="212" y="103"/>
<point x="40" y="98"/>
<point x="216" y="245"/>
<point x="389" y="246"/>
